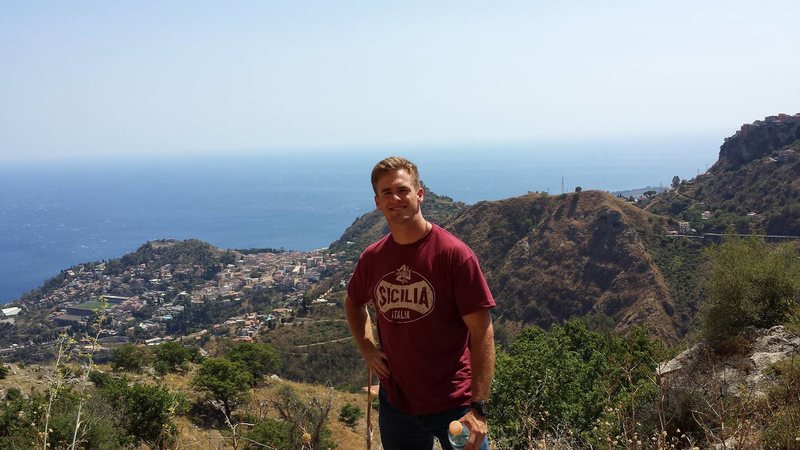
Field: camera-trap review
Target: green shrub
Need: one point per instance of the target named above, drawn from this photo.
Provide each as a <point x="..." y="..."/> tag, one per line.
<point x="350" y="414"/>
<point x="171" y="357"/>
<point x="259" y="359"/>
<point x="130" y="358"/>
<point x="565" y="378"/>
<point x="751" y="284"/>
<point x="272" y="433"/>
<point x="225" y="380"/>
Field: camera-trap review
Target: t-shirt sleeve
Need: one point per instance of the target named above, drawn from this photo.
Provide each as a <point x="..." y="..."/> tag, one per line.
<point x="470" y="288"/>
<point x="356" y="288"/>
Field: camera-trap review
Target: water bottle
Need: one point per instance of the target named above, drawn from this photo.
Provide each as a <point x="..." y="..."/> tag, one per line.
<point x="458" y="435"/>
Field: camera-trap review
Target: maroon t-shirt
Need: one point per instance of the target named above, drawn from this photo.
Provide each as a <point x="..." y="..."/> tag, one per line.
<point x="420" y="291"/>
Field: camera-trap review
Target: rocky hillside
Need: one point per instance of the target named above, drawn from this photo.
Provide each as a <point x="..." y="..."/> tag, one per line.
<point x="549" y="258"/>
<point x="757" y="140"/>
<point x="754" y="186"/>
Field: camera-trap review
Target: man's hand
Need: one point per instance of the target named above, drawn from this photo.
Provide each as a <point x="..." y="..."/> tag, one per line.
<point x="361" y="326"/>
<point x="375" y="358"/>
<point x="478" y="429"/>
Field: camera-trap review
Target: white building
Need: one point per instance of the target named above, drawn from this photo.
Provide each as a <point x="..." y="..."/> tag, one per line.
<point x="9" y="312"/>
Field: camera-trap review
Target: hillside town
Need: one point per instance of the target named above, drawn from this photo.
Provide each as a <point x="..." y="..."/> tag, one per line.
<point x="144" y="302"/>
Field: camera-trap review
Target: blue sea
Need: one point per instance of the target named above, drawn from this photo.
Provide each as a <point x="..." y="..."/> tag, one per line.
<point x="57" y="214"/>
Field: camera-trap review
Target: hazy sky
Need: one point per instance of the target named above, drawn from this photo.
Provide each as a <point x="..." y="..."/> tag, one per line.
<point x="151" y="77"/>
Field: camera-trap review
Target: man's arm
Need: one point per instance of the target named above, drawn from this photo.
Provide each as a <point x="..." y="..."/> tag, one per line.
<point x="361" y="327"/>
<point x="481" y="343"/>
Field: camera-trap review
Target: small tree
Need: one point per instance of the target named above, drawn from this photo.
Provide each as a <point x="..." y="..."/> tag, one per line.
<point x="259" y="359"/>
<point x="129" y="357"/>
<point x="225" y="380"/>
<point x="676" y="181"/>
<point x="751" y="284"/>
<point x="171" y="357"/>
<point x="3" y="369"/>
<point x="350" y="414"/>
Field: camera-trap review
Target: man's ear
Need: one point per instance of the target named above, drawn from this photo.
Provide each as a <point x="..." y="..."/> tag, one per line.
<point x="420" y="194"/>
<point x="376" y="201"/>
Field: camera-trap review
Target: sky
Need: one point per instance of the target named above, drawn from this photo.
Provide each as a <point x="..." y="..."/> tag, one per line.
<point x="121" y="78"/>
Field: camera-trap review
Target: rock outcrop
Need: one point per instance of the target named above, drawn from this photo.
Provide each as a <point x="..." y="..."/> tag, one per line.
<point x="699" y="370"/>
<point x="757" y="140"/>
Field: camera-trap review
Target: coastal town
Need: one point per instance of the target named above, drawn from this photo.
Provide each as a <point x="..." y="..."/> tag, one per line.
<point x="237" y="294"/>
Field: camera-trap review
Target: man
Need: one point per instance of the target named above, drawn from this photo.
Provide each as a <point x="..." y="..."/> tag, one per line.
<point x="435" y="355"/>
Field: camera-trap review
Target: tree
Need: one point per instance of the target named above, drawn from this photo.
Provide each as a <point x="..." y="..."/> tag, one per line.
<point x="578" y="189"/>
<point x="171" y="357"/>
<point x="350" y="414"/>
<point x="751" y="284"/>
<point x="650" y="194"/>
<point x="676" y="181"/>
<point x="3" y="369"/>
<point x="260" y="359"/>
<point x="129" y="357"/>
<point x="227" y="381"/>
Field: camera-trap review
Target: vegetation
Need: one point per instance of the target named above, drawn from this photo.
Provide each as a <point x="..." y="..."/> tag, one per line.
<point x="549" y="382"/>
<point x="146" y="411"/>
<point x="350" y="414"/>
<point x="272" y="432"/>
<point x="259" y="359"/>
<point x="226" y="381"/>
<point x="130" y="358"/>
<point x="171" y="357"/>
<point x="751" y="284"/>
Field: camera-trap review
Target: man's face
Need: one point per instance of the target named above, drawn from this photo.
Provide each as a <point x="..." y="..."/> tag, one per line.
<point x="397" y="197"/>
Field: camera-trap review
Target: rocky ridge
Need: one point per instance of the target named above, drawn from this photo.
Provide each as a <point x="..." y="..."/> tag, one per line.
<point x="758" y="139"/>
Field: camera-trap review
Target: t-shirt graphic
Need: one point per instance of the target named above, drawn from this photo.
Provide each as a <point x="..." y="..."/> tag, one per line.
<point x="404" y="295"/>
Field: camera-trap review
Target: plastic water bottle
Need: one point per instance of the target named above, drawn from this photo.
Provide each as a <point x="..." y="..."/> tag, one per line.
<point x="458" y="435"/>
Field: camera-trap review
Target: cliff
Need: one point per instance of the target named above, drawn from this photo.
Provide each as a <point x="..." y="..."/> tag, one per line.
<point x="758" y="139"/>
<point x="754" y="187"/>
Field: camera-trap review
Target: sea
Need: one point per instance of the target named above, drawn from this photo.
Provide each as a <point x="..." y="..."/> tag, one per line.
<point x="55" y="214"/>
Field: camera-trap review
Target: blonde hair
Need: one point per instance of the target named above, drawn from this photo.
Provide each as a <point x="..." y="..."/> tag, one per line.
<point x="391" y="164"/>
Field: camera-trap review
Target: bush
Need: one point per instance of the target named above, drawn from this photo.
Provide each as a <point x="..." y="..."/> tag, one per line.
<point x="147" y="410"/>
<point x="751" y="284"/>
<point x="565" y="378"/>
<point x="350" y="415"/>
<point x="272" y="433"/>
<point x="259" y="359"/>
<point x="171" y="357"/>
<point x="130" y="358"/>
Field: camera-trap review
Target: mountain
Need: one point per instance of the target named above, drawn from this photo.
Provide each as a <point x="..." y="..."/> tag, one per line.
<point x="549" y="258"/>
<point x="753" y="187"/>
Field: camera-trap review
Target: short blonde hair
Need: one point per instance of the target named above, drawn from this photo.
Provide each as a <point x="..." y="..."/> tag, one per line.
<point x="392" y="164"/>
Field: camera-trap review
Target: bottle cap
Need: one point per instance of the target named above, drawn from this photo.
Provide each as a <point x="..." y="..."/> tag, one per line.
<point x="456" y="428"/>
